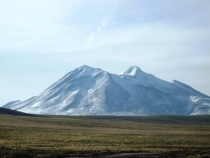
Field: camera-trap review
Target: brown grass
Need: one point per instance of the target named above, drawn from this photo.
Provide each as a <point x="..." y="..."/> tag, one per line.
<point x="52" y="136"/>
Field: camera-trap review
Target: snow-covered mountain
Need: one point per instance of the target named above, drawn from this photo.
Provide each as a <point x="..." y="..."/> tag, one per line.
<point x="92" y="91"/>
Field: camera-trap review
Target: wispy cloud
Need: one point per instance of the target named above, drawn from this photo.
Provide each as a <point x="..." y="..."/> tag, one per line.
<point x="98" y="30"/>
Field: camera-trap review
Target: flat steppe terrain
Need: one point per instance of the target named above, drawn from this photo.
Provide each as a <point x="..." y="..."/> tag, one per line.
<point x="105" y="136"/>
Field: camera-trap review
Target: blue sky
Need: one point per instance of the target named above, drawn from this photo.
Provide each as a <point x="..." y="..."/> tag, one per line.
<point x="40" y="41"/>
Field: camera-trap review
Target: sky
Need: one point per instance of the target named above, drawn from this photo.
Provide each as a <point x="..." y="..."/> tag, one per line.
<point x="41" y="41"/>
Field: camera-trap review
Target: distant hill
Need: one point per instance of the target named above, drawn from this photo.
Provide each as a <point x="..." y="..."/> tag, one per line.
<point x="13" y="112"/>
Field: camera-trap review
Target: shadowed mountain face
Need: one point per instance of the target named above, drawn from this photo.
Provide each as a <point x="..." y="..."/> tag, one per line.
<point x="5" y="111"/>
<point x="92" y="91"/>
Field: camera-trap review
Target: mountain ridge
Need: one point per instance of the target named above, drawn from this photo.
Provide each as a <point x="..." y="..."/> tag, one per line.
<point x="93" y="91"/>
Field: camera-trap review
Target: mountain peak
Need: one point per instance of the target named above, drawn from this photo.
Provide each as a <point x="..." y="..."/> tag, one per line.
<point x="132" y="70"/>
<point x="85" y="71"/>
<point x="85" y="67"/>
<point x="135" y="68"/>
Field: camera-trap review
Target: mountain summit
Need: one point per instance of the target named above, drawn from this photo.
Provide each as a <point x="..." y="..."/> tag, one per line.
<point x="92" y="91"/>
<point x="133" y="71"/>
